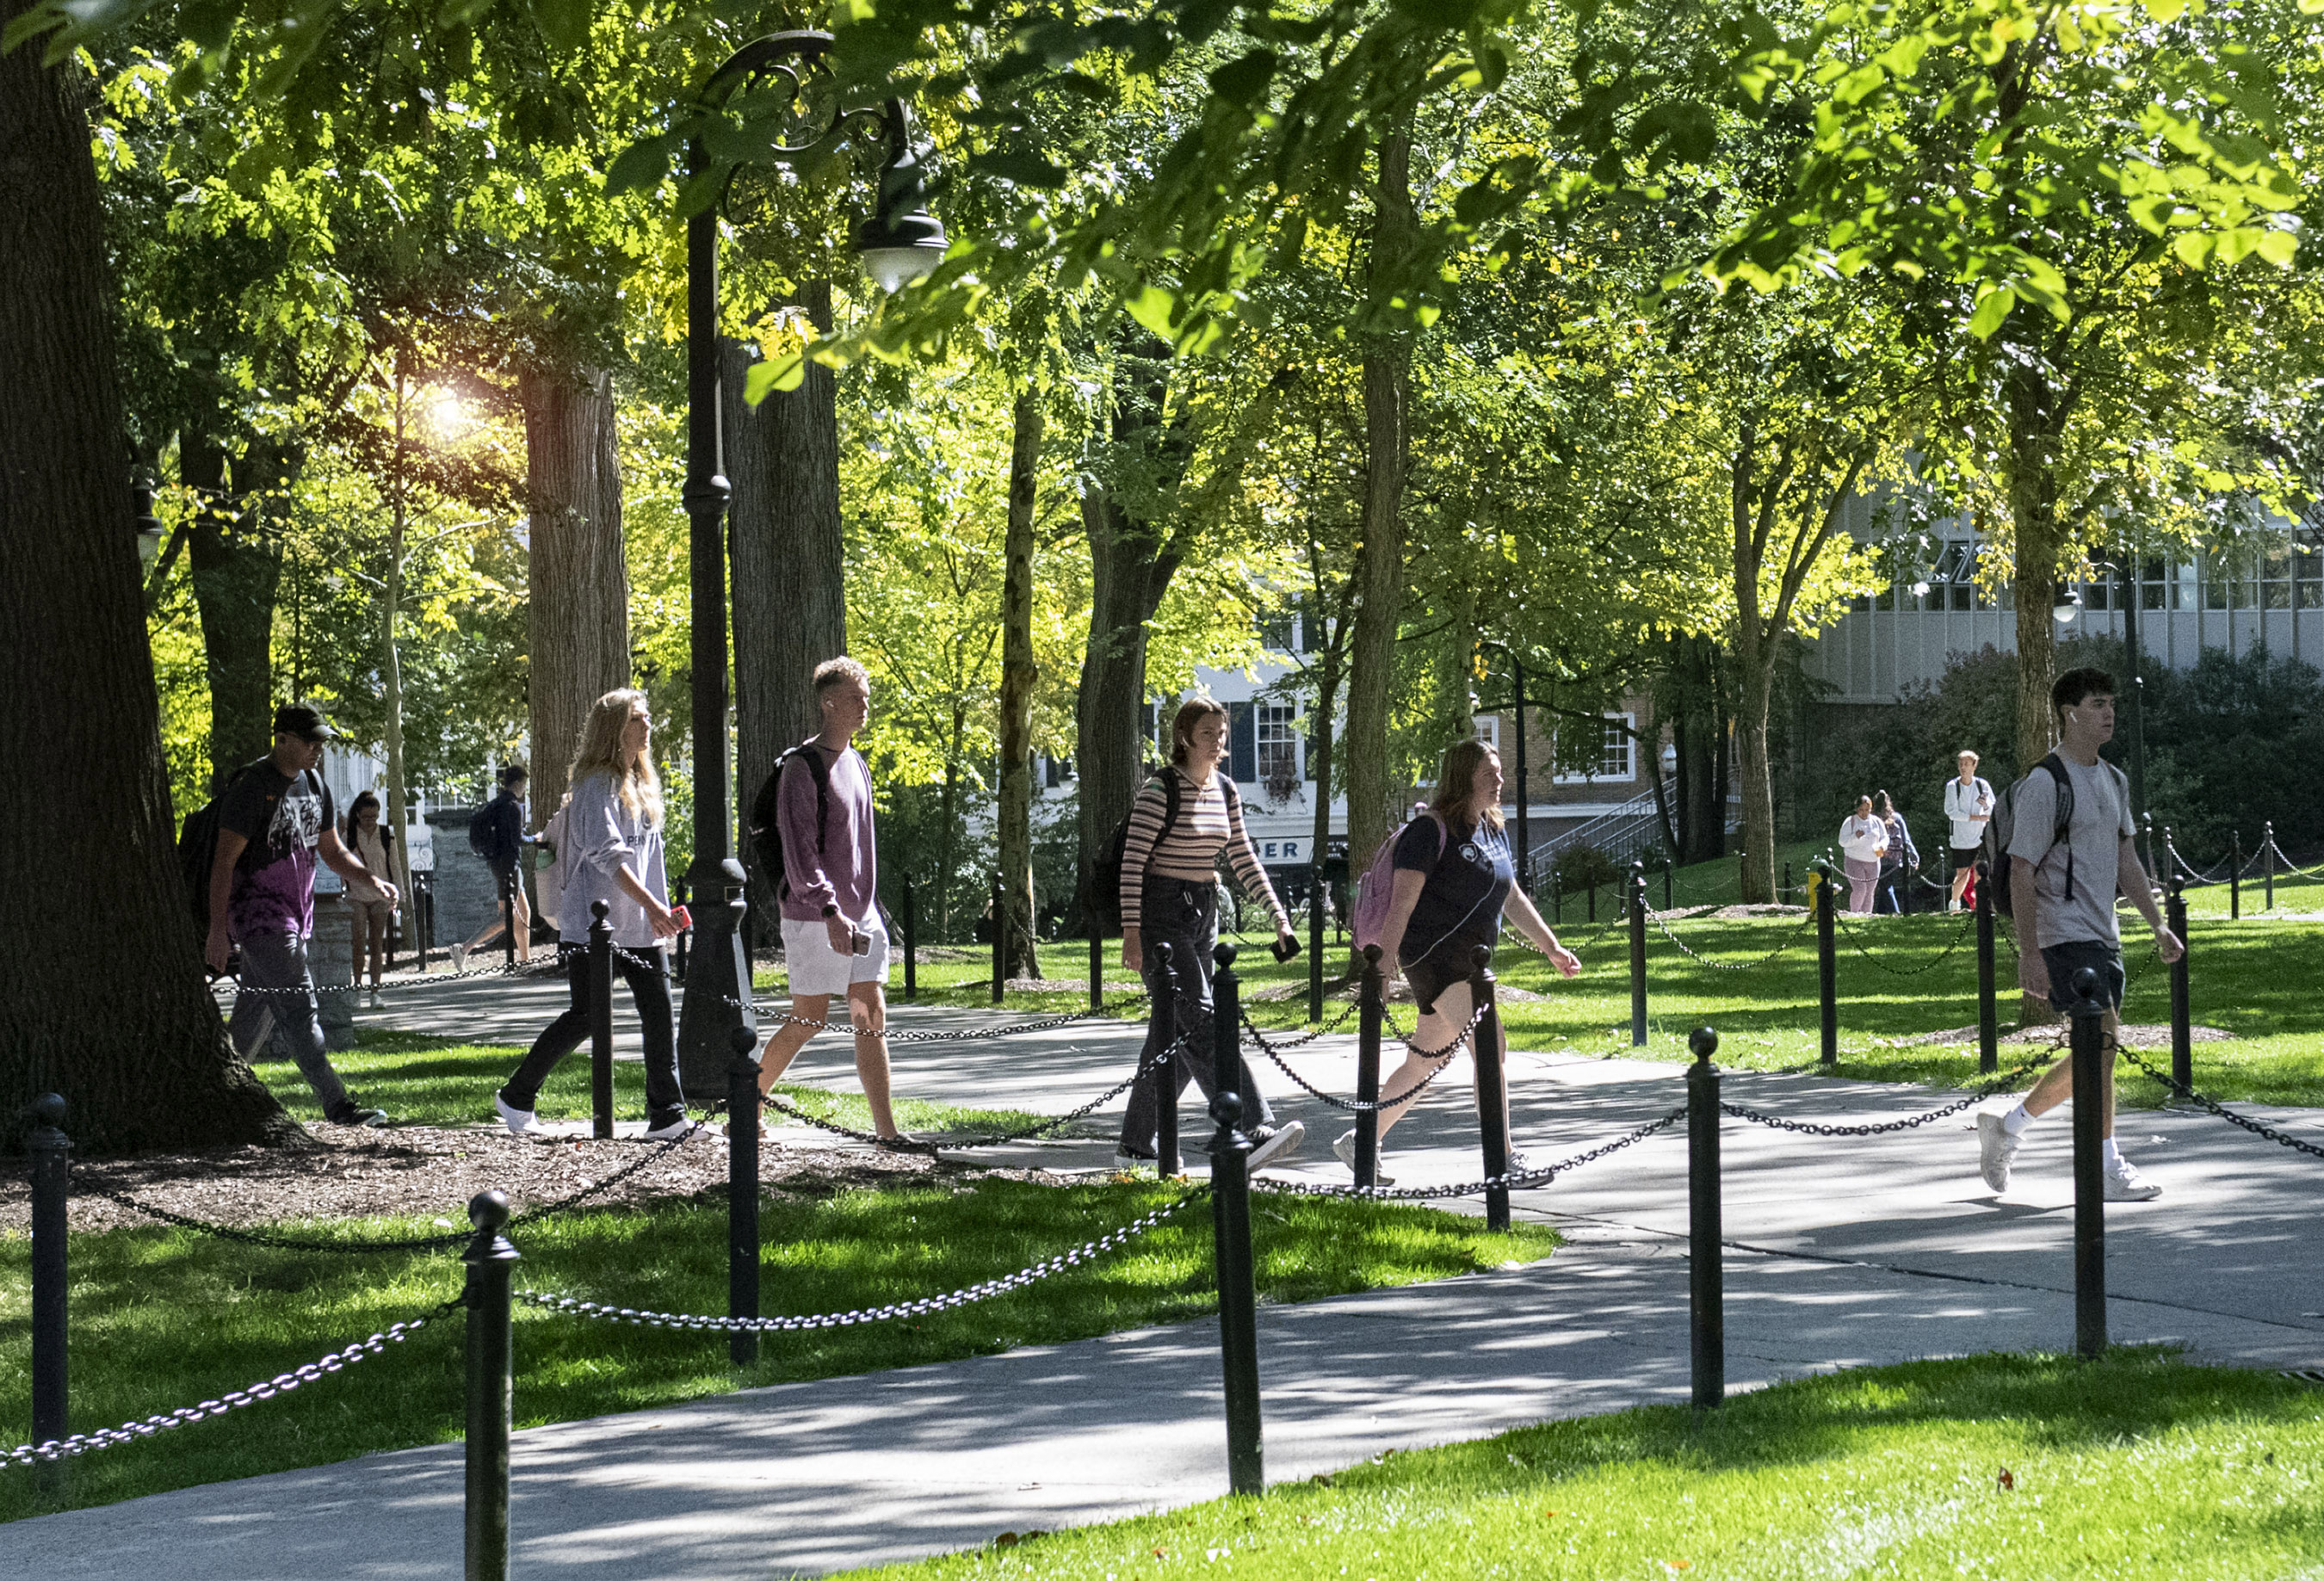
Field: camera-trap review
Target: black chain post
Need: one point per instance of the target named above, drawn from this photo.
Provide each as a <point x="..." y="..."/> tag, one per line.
<point x="1706" y="1270"/>
<point x="1667" y="902"/>
<point x="2088" y="1037"/>
<point x="1167" y="1162"/>
<point x="1492" y="1111"/>
<point x="1556" y="898"/>
<point x="601" y="1022"/>
<point x="1315" y="939"/>
<point x="1370" y="1005"/>
<point x="911" y="940"/>
<point x="1230" y="1224"/>
<point x="1592" y="915"/>
<point x="2235" y="875"/>
<point x="1827" y="962"/>
<point x="684" y="935"/>
<point x="2182" y="1037"/>
<point x="492" y="1387"/>
<point x="1096" y="957"/>
<point x="508" y="919"/>
<point x="1787" y="882"/>
<point x="2267" y="834"/>
<point x="1637" y="908"/>
<point x="52" y="1152"/>
<point x="1000" y="939"/>
<point x="2146" y="829"/>
<point x="1988" y="1014"/>
<point x="742" y="1193"/>
<point x="421" y="924"/>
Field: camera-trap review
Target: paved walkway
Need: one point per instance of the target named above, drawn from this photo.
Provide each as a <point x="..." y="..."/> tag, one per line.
<point x="1848" y="1252"/>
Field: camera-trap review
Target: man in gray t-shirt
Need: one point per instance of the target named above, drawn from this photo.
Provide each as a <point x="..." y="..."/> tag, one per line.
<point x="2063" y="893"/>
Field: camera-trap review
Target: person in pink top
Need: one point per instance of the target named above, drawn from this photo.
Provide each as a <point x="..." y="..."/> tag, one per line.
<point x="834" y="939"/>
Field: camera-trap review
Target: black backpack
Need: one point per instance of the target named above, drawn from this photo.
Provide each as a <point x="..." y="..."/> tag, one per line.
<point x="1105" y="873"/>
<point x="766" y="834"/>
<point x="1999" y="827"/>
<point x="198" y="850"/>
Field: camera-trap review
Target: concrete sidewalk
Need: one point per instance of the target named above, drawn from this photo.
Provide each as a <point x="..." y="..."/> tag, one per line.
<point x="1849" y="1252"/>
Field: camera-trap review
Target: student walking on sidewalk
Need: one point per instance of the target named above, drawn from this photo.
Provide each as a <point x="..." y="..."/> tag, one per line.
<point x="375" y="913"/>
<point x="498" y="836"/>
<point x="2070" y="854"/>
<point x="274" y="820"/>
<point x="1863" y="841"/>
<point x="816" y="837"/>
<point x="1170" y="895"/>
<point x="1455" y="878"/>
<point x="613" y="853"/>
<point x="1968" y="803"/>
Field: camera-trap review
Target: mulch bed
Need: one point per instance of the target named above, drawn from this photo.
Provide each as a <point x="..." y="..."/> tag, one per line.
<point x="429" y="1172"/>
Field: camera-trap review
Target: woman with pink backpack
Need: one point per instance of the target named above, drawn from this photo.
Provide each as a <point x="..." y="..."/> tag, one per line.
<point x="1449" y="876"/>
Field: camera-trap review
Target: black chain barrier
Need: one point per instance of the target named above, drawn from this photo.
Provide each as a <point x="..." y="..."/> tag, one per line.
<point x="1357" y="1106"/>
<point x="548" y="969"/>
<point x="968" y="1295"/>
<point x="2001" y="1083"/>
<point x="1514" y="1180"/>
<point x="1959" y="932"/>
<point x="1661" y="920"/>
<point x="1325" y="1030"/>
<point x="131" y="1433"/>
<point x="2254" y="1126"/>
<point x="411" y="1244"/>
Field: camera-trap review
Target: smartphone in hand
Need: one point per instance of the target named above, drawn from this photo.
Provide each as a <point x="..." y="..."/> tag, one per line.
<point x="859" y="942"/>
<point x="682" y="917"/>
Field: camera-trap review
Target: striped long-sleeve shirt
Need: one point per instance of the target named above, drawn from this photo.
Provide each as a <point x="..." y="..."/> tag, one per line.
<point x="1206" y="824"/>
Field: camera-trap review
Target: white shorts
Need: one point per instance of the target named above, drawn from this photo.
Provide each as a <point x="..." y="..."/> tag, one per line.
<point x="818" y="969"/>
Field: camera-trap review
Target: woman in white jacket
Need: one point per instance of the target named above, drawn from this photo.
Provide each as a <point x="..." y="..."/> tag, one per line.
<point x="1863" y="841"/>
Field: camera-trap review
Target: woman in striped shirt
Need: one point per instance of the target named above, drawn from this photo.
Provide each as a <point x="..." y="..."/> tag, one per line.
<point x="1169" y="895"/>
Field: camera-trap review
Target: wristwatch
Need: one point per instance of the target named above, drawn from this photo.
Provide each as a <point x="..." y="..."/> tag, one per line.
<point x="830" y="909"/>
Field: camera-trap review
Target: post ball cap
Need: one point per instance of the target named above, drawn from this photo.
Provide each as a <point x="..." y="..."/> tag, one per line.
<point x="1226" y="1107"/>
<point x="488" y="1210"/>
<point x="600" y="909"/>
<point x="1372" y="953"/>
<point x="2086" y="983"/>
<point x="743" y="1042"/>
<point x="49" y="1108"/>
<point x="1703" y="1040"/>
<point x="1224" y="954"/>
<point x="1481" y="956"/>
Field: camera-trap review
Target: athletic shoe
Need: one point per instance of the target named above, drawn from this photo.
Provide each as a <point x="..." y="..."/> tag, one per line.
<point x="670" y="1130"/>
<point x="1519" y="1163"/>
<point x="1273" y="1141"/>
<point x="351" y="1113"/>
<point x="1996" y="1147"/>
<point x="2123" y="1183"/>
<point x="1126" y="1163"/>
<point x="1344" y="1150"/>
<point x="459" y="958"/>
<point x="520" y="1122"/>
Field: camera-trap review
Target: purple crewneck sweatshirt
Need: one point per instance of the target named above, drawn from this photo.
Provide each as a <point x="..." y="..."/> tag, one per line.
<point x="845" y="871"/>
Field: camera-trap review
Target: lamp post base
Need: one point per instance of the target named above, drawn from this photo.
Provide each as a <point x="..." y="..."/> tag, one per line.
<point x="717" y="980"/>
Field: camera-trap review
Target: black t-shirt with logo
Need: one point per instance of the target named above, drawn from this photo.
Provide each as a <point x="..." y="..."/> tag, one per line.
<point x="1459" y="905"/>
<point x="284" y="819"/>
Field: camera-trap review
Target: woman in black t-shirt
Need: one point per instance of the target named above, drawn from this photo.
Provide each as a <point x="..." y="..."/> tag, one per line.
<point x="1454" y="877"/>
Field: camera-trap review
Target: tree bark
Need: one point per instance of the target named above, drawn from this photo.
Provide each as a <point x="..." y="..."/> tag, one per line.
<point x="788" y="562"/>
<point x="1018" y="675"/>
<point x="236" y="572"/>
<point x="1380" y="556"/>
<point x="2035" y="419"/>
<point x="111" y="1012"/>
<point x="578" y="585"/>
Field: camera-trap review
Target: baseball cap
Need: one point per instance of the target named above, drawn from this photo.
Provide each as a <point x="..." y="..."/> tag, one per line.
<point x="296" y="718"/>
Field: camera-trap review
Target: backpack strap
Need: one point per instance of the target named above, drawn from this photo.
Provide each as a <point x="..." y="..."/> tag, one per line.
<point x="2061" y="834"/>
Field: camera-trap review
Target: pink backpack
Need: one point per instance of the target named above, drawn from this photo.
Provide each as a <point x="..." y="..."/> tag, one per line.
<point x="1378" y="882"/>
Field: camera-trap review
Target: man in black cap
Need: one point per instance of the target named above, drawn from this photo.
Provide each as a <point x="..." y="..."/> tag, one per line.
<point x="275" y="818"/>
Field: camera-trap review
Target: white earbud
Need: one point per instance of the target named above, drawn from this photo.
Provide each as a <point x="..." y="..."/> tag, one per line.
<point x="2072" y="718"/>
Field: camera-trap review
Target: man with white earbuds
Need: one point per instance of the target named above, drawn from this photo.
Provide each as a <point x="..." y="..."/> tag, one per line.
<point x="2063" y="894"/>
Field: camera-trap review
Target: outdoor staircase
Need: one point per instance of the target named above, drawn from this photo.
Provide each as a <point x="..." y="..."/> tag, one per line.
<point x="1630" y="829"/>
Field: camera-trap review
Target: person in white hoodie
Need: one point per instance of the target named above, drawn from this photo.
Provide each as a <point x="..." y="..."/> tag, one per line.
<point x="1863" y="841"/>
<point x="1968" y="803"/>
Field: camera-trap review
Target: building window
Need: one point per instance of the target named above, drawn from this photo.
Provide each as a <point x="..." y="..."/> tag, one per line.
<point x="1279" y="633"/>
<point x="1614" y="759"/>
<point x="1278" y="745"/>
<point x="1489" y="729"/>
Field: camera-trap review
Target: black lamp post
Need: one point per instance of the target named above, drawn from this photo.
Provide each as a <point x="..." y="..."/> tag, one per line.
<point x="899" y="242"/>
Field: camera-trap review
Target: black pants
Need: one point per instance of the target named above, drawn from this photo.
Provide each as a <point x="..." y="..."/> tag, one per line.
<point x="1184" y="916"/>
<point x="649" y="990"/>
<point x="1895" y="894"/>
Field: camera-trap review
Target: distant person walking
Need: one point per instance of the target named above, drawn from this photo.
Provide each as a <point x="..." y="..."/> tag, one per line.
<point x="1969" y="805"/>
<point x="1181" y="820"/>
<point x="2064" y="875"/>
<point x="1900" y="864"/>
<point x="497" y="834"/>
<point x="613" y="853"/>
<point x="375" y="913"/>
<point x="1455" y="875"/>
<point x="815" y="814"/>
<point x="1863" y="841"/>
<point x="274" y="820"/>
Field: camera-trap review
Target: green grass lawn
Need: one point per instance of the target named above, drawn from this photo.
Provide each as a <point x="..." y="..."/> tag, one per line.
<point x="2007" y="1468"/>
<point x="163" y="1318"/>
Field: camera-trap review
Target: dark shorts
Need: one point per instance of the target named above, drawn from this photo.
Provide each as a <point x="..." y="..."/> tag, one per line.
<point x="2065" y="960"/>
<point x="1431" y="975"/>
<point x="1965" y="855"/>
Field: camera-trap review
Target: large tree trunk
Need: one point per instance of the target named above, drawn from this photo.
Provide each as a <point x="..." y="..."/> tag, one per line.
<point x="2035" y="420"/>
<point x="235" y="575"/>
<point x="1380" y="556"/>
<point x="1018" y="675"/>
<point x="578" y="596"/>
<point x="789" y="566"/>
<point x="112" y="1015"/>
<point x="1694" y="732"/>
<point x="1754" y="683"/>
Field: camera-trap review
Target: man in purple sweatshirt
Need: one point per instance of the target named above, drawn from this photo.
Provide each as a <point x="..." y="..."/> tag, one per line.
<point x="834" y="940"/>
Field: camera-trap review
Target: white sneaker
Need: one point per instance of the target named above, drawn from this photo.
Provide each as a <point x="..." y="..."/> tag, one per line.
<point x="2123" y="1183"/>
<point x="459" y="958"/>
<point x="1996" y="1147"/>
<point x="1344" y="1150"/>
<point x="1519" y="1163"/>
<point x="1129" y="1163"/>
<point x="520" y="1122"/>
<point x="1274" y="1142"/>
<point x="670" y="1130"/>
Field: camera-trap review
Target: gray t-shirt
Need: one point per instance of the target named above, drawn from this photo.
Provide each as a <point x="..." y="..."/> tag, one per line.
<point x="2101" y="822"/>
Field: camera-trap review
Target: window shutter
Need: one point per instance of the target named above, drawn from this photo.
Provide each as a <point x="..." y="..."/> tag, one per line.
<point x="1242" y="750"/>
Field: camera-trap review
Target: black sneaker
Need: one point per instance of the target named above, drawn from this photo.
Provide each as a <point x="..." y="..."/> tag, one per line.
<point x="351" y="1113"/>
